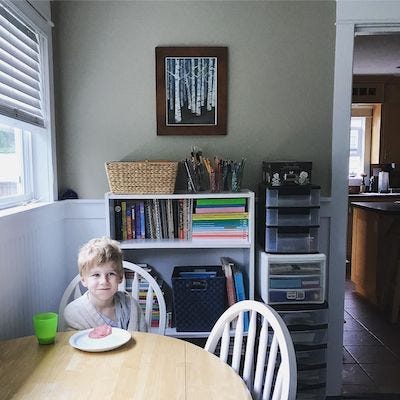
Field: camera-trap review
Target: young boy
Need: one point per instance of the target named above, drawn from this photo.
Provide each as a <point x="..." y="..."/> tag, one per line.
<point x="101" y="270"/>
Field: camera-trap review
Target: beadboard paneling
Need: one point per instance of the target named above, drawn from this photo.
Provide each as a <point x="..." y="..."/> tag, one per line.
<point x="38" y="249"/>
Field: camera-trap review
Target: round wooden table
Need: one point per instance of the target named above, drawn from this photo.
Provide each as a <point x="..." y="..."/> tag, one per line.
<point x="147" y="367"/>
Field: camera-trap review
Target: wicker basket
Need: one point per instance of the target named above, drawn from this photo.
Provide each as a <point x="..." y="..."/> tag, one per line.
<point x="141" y="177"/>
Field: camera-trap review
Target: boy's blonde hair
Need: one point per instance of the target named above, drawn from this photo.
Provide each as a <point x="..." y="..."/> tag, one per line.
<point x="100" y="251"/>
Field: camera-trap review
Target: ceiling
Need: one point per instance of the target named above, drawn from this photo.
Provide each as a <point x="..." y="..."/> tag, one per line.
<point x="377" y="54"/>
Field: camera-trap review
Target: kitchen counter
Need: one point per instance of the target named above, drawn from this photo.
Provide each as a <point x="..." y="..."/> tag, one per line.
<point x="368" y="196"/>
<point x="385" y="207"/>
<point x="375" y="250"/>
<point x="364" y="197"/>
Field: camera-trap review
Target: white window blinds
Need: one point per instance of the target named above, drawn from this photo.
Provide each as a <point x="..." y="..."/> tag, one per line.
<point x="20" y="74"/>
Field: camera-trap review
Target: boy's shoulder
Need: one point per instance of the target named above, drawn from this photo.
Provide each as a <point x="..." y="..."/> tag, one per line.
<point x="77" y="302"/>
<point x="125" y="298"/>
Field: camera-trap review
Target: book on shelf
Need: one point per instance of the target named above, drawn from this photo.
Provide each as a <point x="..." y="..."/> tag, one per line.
<point x="142" y="220"/>
<point x="129" y="221"/>
<point x="157" y="218"/>
<point x="219" y="209"/>
<point x="123" y="220"/>
<point x="221" y="224"/>
<point x="170" y="219"/>
<point x="136" y="227"/>
<point x="221" y="201"/>
<point x="117" y="220"/>
<point x="236" y="289"/>
<point x="240" y="293"/>
<point x="149" y="216"/>
<point x="211" y="216"/>
<point x="230" y="286"/>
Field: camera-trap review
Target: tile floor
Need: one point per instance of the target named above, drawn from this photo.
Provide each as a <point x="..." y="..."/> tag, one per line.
<point x="371" y="348"/>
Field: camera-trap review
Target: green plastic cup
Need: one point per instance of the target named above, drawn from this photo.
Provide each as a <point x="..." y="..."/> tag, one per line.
<point x="45" y="325"/>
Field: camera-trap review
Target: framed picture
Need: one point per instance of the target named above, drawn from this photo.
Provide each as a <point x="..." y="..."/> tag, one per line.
<point x="191" y="90"/>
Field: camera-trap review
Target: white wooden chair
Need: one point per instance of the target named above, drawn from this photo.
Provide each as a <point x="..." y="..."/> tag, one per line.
<point x="72" y="292"/>
<point x="75" y="290"/>
<point x="272" y="373"/>
<point x="153" y="288"/>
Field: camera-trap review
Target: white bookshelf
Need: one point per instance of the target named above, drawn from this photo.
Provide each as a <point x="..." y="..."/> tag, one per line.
<point x="164" y="254"/>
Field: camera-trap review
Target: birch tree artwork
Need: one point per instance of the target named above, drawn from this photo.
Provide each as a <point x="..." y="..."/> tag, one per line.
<point x="191" y="90"/>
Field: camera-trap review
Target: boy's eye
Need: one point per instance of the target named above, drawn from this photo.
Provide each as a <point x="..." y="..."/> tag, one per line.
<point x="95" y="275"/>
<point x="112" y="274"/>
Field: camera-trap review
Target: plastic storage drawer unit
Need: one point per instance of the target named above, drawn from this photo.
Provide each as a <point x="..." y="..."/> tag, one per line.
<point x="312" y="392"/>
<point x="292" y="196"/>
<point x="292" y="216"/>
<point x="315" y="336"/>
<point x="305" y="317"/>
<point x="312" y="376"/>
<point x="296" y="296"/>
<point x="290" y="239"/>
<point x="311" y="357"/>
<point x="291" y="279"/>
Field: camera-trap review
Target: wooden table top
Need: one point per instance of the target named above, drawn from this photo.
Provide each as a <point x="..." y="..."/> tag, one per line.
<point x="147" y="367"/>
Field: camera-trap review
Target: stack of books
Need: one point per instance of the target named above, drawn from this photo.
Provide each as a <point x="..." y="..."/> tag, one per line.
<point x="143" y="289"/>
<point x="222" y="218"/>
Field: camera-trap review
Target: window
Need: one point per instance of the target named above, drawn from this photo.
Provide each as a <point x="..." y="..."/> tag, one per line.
<point x="357" y="146"/>
<point x="364" y="139"/>
<point x="25" y="135"/>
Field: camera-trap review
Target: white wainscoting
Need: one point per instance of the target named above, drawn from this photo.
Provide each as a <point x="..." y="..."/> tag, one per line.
<point x="38" y="249"/>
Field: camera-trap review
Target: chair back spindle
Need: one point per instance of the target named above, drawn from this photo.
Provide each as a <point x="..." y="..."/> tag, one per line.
<point x="268" y="366"/>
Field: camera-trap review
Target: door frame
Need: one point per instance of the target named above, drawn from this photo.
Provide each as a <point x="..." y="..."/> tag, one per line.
<point x="351" y="16"/>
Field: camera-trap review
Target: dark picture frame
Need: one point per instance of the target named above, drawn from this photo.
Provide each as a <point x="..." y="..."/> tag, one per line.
<point x="194" y="79"/>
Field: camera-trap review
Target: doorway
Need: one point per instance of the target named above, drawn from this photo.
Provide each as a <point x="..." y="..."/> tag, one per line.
<point x="371" y="354"/>
<point x="352" y="16"/>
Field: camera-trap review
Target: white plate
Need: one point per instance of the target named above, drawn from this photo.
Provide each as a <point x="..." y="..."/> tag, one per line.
<point x="81" y="340"/>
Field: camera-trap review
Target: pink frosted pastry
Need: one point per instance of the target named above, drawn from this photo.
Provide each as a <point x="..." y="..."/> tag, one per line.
<point x="100" y="331"/>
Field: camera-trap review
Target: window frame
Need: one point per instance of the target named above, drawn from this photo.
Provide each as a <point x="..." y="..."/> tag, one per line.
<point x="40" y="153"/>
<point x="363" y="111"/>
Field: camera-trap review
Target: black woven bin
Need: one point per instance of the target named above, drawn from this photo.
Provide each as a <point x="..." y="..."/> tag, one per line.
<point x="199" y="299"/>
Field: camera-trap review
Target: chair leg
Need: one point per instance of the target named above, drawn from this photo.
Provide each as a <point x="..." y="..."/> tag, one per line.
<point x="396" y="296"/>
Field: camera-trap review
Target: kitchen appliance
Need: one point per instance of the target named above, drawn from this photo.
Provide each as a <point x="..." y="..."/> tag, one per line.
<point x="373" y="183"/>
<point x="383" y="182"/>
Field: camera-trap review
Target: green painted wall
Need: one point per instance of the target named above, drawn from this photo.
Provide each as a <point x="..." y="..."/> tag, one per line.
<point x="280" y="83"/>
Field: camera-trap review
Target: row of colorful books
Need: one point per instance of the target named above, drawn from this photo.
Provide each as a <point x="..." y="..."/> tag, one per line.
<point x="153" y="219"/>
<point x="205" y="218"/>
<point x="220" y="218"/>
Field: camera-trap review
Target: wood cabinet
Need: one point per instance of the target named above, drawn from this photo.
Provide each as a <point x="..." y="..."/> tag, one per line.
<point x="364" y="253"/>
<point x="374" y="256"/>
<point x="367" y="197"/>
<point x="164" y="254"/>
<point x="383" y="89"/>
<point x="390" y="128"/>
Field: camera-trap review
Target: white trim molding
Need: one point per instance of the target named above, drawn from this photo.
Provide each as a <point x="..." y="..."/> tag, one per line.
<point x="350" y="17"/>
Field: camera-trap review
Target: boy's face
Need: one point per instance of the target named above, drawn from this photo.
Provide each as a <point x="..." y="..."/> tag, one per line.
<point x="101" y="281"/>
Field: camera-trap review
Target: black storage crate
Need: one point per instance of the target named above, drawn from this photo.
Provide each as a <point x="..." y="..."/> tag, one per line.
<point x="198" y="300"/>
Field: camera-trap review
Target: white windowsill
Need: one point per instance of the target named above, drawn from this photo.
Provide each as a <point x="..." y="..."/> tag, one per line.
<point x="22" y="208"/>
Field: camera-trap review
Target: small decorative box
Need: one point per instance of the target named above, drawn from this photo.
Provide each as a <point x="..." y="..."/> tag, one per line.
<point x="279" y="173"/>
